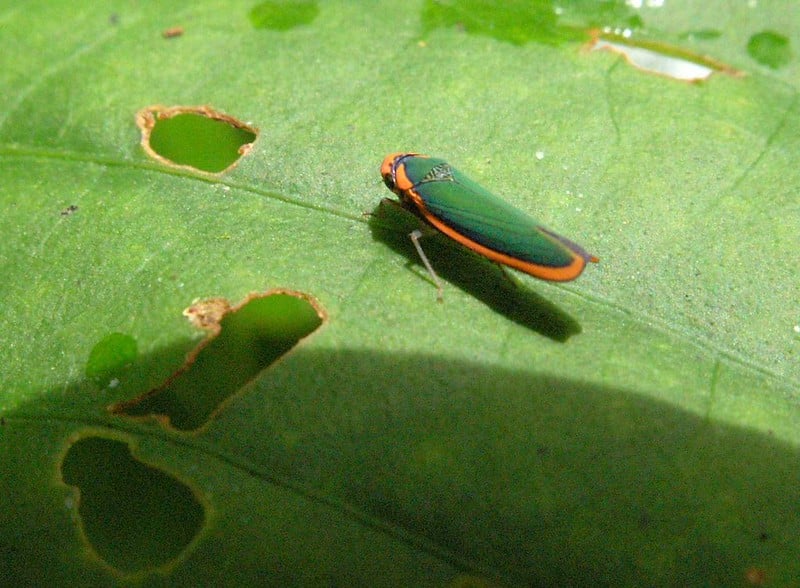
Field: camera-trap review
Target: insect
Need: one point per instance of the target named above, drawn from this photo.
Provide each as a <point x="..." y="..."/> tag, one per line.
<point x="471" y="215"/>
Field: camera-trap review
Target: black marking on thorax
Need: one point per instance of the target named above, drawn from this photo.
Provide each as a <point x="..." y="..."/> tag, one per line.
<point x="441" y="172"/>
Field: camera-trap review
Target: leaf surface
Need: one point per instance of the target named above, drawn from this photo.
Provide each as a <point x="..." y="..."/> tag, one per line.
<point x="637" y="426"/>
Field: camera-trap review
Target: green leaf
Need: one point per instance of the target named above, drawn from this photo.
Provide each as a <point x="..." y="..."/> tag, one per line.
<point x="639" y="426"/>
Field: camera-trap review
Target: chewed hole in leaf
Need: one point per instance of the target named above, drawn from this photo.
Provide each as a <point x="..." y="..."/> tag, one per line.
<point x="135" y="517"/>
<point x="243" y="341"/>
<point x="659" y="58"/>
<point x="196" y="137"/>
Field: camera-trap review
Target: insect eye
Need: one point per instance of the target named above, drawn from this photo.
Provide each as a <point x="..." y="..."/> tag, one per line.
<point x="389" y="181"/>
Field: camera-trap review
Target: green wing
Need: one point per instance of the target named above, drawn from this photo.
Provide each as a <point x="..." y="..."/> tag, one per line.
<point x="479" y="215"/>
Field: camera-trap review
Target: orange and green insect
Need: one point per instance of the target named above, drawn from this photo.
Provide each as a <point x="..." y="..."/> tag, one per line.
<point x="468" y="213"/>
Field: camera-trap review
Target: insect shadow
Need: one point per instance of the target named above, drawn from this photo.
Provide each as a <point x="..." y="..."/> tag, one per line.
<point x="390" y="224"/>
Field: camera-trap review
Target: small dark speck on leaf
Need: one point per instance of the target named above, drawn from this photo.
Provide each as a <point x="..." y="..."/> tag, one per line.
<point x="172" y="32"/>
<point x="69" y="210"/>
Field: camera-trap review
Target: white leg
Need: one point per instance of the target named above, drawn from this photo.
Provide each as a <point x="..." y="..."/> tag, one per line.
<point x="415" y="235"/>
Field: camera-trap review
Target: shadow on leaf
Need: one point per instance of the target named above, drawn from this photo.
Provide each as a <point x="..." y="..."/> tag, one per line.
<point x="478" y="277"/>
<point x="408" y="469"/>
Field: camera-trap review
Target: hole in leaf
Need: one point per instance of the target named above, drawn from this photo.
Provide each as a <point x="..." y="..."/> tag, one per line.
<point x="658" y="58"/>
<point x="112" y="354"/>
<point x="283" y="15"/>
<point x="769" y="48"/>
<point x="199" y="137"/>
<point x="133" y="515"/>
<point x="243" y="341"/>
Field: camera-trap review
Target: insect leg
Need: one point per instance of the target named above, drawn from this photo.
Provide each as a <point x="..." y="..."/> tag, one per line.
<point x="415" y="236"/>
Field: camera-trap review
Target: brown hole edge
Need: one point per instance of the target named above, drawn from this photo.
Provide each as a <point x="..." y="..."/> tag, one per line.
<point x="148" y="116"/>
<point x="207" y="314"/>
